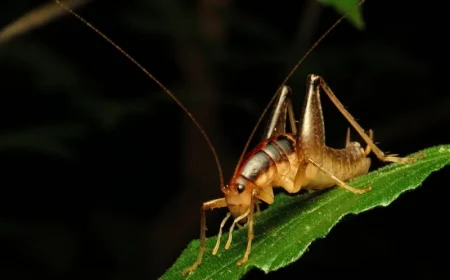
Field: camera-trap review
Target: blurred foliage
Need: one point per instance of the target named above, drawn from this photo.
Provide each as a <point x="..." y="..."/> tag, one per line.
<point x="350" y="7"/>
<point x="52" y="73"/>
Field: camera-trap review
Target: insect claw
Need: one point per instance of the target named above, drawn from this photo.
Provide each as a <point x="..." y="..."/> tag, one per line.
<point x="243" y="260"/>
<point x="394" y="158"/>
<point x="361" y="191"/>
<point x="190" y="269"/>
<point x="421" y="155"/>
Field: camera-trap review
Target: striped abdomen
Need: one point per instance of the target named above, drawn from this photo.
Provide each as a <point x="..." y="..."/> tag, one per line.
<point x="345" y="164"/>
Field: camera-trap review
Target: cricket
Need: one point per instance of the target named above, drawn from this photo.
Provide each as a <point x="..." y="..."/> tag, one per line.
<point x="291" y="154"/>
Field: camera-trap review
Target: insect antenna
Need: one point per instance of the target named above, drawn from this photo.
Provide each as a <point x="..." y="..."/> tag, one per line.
<point x="285" y="80"/>
<point x="213" y="150"/>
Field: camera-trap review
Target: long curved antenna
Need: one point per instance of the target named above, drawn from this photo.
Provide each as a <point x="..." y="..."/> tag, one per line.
<point x="285" y="80"/>
<point x="213" y="150"/>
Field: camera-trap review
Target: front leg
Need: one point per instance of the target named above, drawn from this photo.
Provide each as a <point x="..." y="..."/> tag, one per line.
<point x="250" y="230"/>
<point x="209" y="205"/>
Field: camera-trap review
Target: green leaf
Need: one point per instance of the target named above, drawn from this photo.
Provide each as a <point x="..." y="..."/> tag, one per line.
<point x="285" y="230"/>
<point x="350" y="7"/>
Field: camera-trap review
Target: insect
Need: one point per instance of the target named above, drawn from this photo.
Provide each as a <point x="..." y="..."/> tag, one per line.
<point x="293" y="160"/>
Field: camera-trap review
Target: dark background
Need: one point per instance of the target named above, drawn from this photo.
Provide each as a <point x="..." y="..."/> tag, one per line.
<point x="103" y="175"/>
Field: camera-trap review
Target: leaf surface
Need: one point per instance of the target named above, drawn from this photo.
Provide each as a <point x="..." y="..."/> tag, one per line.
<point x="284" y="231"/>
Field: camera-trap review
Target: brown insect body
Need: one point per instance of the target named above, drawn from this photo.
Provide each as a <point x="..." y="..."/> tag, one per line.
<point x="264" y="170"/>
<point x="295" y="160"/>
<point x="292" y="161"/>
<point x="280" y="161"/>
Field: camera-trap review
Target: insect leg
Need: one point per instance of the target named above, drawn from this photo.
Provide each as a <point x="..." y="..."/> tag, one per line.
<point x="368" y="149"/>
<point x="230" y="236"/>
<point x="311" y="136"/>
<point x="317" y="80"/>
<point x="277" y="120"/>
<point x="258" y="207"/>
<point x="347" y="138"/>
<point x="220" y="233"/>
<point x="250" y="230"/>
<point x="209" y="205"/>
<point x="310" y="142"/>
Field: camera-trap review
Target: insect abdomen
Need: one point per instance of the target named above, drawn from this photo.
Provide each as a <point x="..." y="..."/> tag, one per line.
<point x="347" y="163"/>
<point x="344" y="163"/>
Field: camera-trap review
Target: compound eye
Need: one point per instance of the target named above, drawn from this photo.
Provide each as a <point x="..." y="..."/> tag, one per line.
<point x="240" y="188"/>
